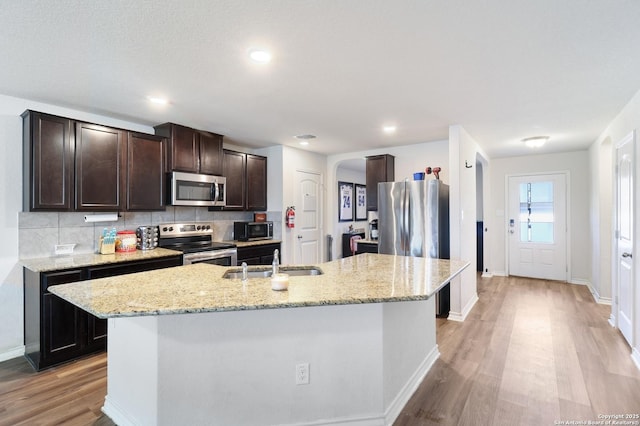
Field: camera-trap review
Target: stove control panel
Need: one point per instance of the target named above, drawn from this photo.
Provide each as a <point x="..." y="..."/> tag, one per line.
<point x="172" y="230"/>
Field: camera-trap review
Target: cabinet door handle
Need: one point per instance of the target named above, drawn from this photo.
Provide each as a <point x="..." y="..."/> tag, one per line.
<point x="299" y="236"/>
<point x="627" y="255"/>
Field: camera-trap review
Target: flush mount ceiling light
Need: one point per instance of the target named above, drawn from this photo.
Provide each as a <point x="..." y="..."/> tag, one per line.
<point x="304" y="139"/>
<point x="389" y="129"/>
<point x="260" y="56"/>
<point x="157" y="100"/>
<point x="535" y="141"/>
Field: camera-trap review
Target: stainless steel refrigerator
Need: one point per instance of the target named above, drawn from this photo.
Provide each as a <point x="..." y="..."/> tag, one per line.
<point x="413" y="220"/>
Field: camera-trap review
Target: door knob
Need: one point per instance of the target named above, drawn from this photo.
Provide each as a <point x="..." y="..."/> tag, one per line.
<point x="627" y="255"/>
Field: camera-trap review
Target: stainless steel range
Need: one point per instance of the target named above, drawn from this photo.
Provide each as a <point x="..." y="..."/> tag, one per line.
<point x="195" y="241"/>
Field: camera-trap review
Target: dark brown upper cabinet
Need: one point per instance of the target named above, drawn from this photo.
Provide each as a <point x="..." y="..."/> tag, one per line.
<point x="100" y="159"/>
<point x="190" y="150"/>
<point x="256" y="182"/>
<point x="71" y="165"/>
<point x="234" y="169"/>
<point x="48" y="162"/>
<point x="210" y="153"/>
<point x="145" y="172"/>
<point x="246" y="180"/>
<point x="379" y="168"/>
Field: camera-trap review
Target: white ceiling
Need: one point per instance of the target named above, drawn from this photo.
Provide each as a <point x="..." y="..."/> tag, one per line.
<point x="503" y="69"/>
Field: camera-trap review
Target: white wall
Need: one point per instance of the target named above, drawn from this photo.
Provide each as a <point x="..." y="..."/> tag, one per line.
<point x="293" y="160"/>
<point x="601" y="156"/>
<point x="600" y="218"/>
<point x="463" y="149"/>
<point x="275" y="212"/>
<point x="577" y="164"/>
<point x="365" y="361"/>
<point x="408" y="159"/>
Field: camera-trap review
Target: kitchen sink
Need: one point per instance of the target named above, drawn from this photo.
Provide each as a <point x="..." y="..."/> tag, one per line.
<point x="297" y="271"/>
<point x="261" y="272"/>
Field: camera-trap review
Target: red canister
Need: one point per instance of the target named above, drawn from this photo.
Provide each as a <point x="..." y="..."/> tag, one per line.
<point x="126" y="241"/>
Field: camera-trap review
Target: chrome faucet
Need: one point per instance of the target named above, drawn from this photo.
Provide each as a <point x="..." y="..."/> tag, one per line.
<point x="245" y="271"/>
<point x="275" y="265"/>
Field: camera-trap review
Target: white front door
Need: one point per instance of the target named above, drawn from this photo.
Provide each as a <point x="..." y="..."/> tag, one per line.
<point x="308" y="225"/>
<point x="537" y="226"/>
<point x="624" y="235"/>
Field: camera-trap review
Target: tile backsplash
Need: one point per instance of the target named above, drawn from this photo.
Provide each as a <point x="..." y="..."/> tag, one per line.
<point x="40" y="232"/>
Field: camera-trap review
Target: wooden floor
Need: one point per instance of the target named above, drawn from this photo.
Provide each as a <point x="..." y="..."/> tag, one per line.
<point x="531" y="352"/>
<point x="71" y="394"/>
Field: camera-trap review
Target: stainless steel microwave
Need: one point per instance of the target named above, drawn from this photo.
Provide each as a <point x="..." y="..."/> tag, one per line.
<point x="192" y="189"/>
<point x="250" y="231"/>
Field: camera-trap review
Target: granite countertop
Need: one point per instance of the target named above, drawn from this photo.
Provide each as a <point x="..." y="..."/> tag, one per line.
<point x="365" y="278"/>
<point x="364" y="240"/>
<point x="45" y="264"/>
<point x="52" y="263"/>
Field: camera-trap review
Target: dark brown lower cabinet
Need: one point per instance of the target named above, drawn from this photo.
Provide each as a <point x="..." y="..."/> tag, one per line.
<point x="367" y="248"/>
<point x="261" y="254"/>
<point x="55" y="331"/>
<point x="64" y="325"/>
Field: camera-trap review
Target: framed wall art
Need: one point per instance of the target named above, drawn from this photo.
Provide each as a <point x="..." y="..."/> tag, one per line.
<point x="345" y="201"/>
<point x="361" y="201"/>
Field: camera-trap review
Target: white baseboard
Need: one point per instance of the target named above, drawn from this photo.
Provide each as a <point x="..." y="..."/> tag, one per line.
<point x="350" y="421"/>
<point x="398" y="403"/>
<point x="117" y="415"/>
<point x="461" y="316"/>
<point x="12" y="353"/>
<point x="612" y="321"/>
<point x="604" y="300"/>
<point x="487" y="275"/>
<point x="580" y="281"/>
<point x="635" y="356"/>
<point x="597" y="298"/>
<point x="500" y="273"/>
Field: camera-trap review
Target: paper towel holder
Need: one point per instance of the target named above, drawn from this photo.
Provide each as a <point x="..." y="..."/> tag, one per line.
<point x="106" y="217"/>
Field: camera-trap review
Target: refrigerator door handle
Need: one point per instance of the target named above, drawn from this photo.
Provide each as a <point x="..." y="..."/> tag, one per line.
<point x="406" y="222"/>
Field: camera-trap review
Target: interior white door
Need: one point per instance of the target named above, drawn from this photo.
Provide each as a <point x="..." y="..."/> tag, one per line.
<point x="308" y="225"/>
<point x="537" y="228"/>
<point x="624" y="235"/>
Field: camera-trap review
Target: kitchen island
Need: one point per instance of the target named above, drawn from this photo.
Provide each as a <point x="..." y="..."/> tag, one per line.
<point x="187" y="346"/>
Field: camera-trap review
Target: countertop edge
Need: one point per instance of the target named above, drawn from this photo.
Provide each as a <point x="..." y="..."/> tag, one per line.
<point x="247" y="307"/>
<point x="262" y="306"/>
<point x="82" y="260"/>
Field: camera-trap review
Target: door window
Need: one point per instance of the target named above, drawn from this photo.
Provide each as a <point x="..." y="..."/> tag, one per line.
<point x="536" y="212"/>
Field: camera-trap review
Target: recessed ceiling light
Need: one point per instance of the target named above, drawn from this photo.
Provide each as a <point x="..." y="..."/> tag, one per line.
<point x="260" y="56"/>
<point x="389" y="129"/>
<point x="156" y="100"/>
<point x="304" y="139"/>
<point x="535" y="141"/>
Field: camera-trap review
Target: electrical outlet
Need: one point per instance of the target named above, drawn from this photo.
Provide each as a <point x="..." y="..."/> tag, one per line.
<point x="302" y="373"/>
<point x="60" y="249"/>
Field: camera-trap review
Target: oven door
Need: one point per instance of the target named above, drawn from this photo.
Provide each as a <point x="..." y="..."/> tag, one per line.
<point x="224" y="257"/>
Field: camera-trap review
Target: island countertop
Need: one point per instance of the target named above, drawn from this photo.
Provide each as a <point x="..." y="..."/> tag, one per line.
<point x="365" y="278"/>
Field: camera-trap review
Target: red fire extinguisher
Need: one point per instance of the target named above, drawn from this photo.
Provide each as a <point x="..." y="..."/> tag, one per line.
<point x="291" y="217"/>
